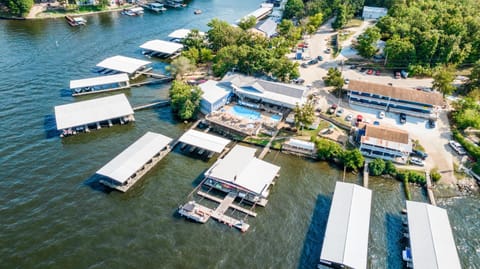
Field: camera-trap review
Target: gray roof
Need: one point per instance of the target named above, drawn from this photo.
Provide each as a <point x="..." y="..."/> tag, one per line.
<point x="127" y="163"/>
<point x="268" y="26"/>
<point x="431" y="238"/>
<point x="346" y="235"/>
<point x="259" y="85"/>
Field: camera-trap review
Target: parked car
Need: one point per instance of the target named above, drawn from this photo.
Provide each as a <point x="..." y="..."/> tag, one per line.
<point x="339" y="112"/>
<point x="362" y="69"/>
<point x="417" y="161"/>
<point x="377" y="73"/>
<point x="304" y="65"/>
<point x="328" y="50"/>
<point x="381" y="114"/>
<point x="320" y="58"/>
<point x="457" y="147"/>
<point x="397" y="75"/>
<point x="403" y="118"/>
<point x="404" y="74"/>
<point x="376" y="123"/>
<point x="431" y="123"/>
<point x="370" y="71"/>
<point x="419" y="153"/>
<point x="353" y="66"/>
<point x="349" y="117"/>
<point x="359" y="119"/>
<point x="346" y="81"/>
<point x="312" y="62"/>
<point x="332" y="109"/>
<point x="298" y="80"/>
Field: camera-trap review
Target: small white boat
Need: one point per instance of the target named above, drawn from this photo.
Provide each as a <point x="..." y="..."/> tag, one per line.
<point x="197" y="11"/>
<point x="133" y="11"/>
<point x="75" y="21"/>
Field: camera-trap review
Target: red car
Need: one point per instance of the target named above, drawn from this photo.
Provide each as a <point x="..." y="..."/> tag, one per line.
<point x="359" y="119"/>
<point x="377" y="73"/>
<point x="369" y="72"/>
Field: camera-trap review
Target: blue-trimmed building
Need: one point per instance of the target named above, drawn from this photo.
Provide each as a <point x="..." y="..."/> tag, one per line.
<point x="394" y="99"/>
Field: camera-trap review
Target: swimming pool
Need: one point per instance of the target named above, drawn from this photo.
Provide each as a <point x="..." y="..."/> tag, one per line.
<point x="276" y="117"/>
<point x="244" y="112"/>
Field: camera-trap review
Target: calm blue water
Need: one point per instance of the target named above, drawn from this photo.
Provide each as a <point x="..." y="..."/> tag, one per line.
<point x="54" y="215"/>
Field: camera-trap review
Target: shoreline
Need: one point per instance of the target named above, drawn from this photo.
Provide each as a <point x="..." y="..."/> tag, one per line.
<point x="44" y="14"/>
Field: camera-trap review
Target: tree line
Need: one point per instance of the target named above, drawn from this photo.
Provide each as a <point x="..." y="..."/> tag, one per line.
<point x="18" y="8"/>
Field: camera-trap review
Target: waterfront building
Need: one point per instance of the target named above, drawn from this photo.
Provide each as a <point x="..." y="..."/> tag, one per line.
<point x="122" y="172"/>
<point x="267" y="28"/>
<point x="385" y="143"/>
<point x="214" y="96"/>
<point x="121" y="64"/>
<point x="261" y="13"/>
<point x="373" y="12"/>
<point x="241" y="172"/>
<point x="259" y="93"/>
<point x="345" y="244"/>
<point x="161" y="48"/>
<point x="394" y="99"/>
<point x="300" y="147"/>
<point x="81" y="116"/>
<point x="204" y="141"/>
<point x="99" y="84"/>
<point x="431" y="240"/>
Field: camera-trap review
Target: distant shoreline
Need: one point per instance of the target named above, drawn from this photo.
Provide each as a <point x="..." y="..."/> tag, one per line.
<point x="52" y="15"/>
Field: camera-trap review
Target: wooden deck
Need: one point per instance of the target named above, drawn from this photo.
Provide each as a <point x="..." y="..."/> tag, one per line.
<point x="234" y="206"/>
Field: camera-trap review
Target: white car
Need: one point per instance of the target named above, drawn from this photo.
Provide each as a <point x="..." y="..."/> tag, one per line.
<point x="457" y="147"/>
<point x="349" y="117"/>
<point x="417" y="161"/>
<point x="381" y="115"/>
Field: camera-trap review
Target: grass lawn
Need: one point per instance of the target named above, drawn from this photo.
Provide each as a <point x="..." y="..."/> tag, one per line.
<point x="354" y="23"/>
<point x="344" y="35"/>
<point x="257" y="141"/>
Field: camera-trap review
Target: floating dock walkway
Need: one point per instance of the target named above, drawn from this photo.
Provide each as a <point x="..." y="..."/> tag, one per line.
<point x="431" y="197"/>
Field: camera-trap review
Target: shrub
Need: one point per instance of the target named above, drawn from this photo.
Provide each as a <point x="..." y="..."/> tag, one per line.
<point x="390" y="169"/>
<point x="376" y="167"/>
<point x="435" y="175"/>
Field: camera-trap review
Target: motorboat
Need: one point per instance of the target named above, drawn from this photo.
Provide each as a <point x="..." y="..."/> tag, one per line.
<point x="133" y="11"/>
<point x="75" y="21"/>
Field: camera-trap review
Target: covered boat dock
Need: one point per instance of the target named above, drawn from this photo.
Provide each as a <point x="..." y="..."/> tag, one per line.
<point x="81" y="116"/>
<point x="99" y="84"/>
<point x="241" y="172"/>
<point x="345" y="244"/>
<point x="130" y="165"/>
<point x="431" y="239"/>
<point x="121" y="64"/>
<point x="203" y="141"/>
<point x="161" y="48"/>
<point x="180" y="34"/>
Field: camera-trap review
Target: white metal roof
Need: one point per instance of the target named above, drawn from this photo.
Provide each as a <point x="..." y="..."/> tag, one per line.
<point x="162" y="46"/>
<point x="301" y="144"/>
<point x="134" y="157"/>
<point x="212" y="92"/>
<point x="181" y="33"/>
<point x="240" y="167"/>
<point x="91" y="111"/>
<point x="123" y="64"/>
<point x="259" y="12"/>
<point x="204" y="141"/>
<point x="431" y="238"/>
<point x="346" y="235"/>
<point x="96" y="81"/>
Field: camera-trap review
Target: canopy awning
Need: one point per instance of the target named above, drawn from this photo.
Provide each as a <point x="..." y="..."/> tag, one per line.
<point x="161" y="46"/>
<point x="97" y="81"/>
<point x="123" y="64"/>
<point x="204" y="141"/>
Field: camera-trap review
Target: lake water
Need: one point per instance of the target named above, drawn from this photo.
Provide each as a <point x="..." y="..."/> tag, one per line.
<point x="54" y="215"/>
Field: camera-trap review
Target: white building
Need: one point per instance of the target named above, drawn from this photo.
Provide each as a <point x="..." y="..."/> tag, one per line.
<point x="214" y="96"/>
<point x="373" y="12"/>
<point x="345" y="244"/>
<point x="252" y="91"/>
<point x="385" y="143"/>
<point x="299" y="147"/>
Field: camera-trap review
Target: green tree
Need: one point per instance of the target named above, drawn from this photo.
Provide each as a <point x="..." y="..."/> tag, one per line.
<point x="390" y="168"/>
<point x="474" y="78"/>
<point x="435" y="175"/>
<point x="103" y="3"/>
<point x="399" y="52"/>
<point x="180" y="66"/>
<point x="443" y="79"/>
<point x="185" y="99"/>
<point x="247" y="23"/>
<point x="376" y="167"/>
<point x="18" y="8"/>
<point x="327" y="149"/>
<point x="304" y="115"/>
<point x="334" y="78"/>
<point x="367" y="42"/>
<point x="287" y="29"/>
<point x="314" y="22"/>
<point x="293" y="8"/>
<point x="222" y="34"/>
<point x="341" y="17"/>
<point x="352" y="159"/>
<point x="194" y="39"/>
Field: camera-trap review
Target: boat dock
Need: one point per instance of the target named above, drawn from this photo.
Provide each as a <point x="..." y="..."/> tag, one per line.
<point x="365" y="174"/>
<point x="431" y="197"/>
<point x="154" y="104"/>
<point x="202" y="214"/>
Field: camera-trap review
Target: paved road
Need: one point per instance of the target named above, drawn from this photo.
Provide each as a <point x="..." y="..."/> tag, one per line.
<point x="435" y="141"/>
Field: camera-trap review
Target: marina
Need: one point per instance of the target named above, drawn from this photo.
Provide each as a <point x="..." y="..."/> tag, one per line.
<point x="133" y="11"/>
<point x="122" y="64"/>
<point x="154" y="7"/>
<point x="56" y="205"/>
<point x="99" y="84"/>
